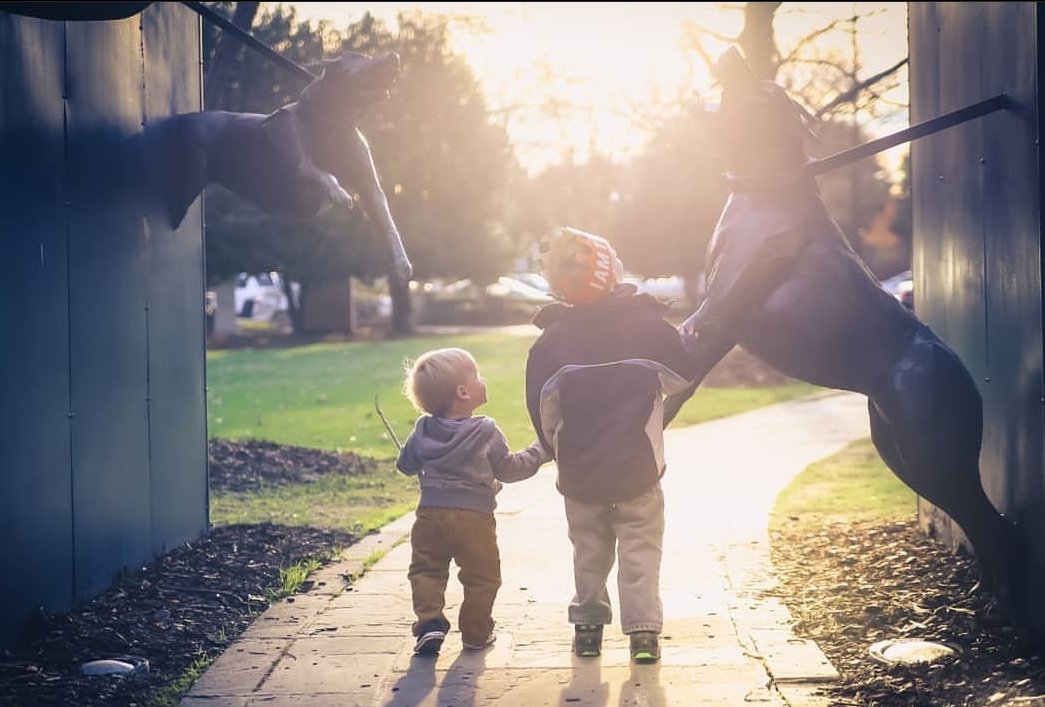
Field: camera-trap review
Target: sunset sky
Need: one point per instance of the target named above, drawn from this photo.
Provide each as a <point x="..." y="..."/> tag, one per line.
<point x="615" y="56"/>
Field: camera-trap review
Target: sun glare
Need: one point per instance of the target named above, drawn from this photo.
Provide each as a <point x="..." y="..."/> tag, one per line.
<point x="569" y="78"/>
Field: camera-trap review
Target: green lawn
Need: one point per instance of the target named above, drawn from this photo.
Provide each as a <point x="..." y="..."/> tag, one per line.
<point x="852" y="485"/>
<point x="355" y="504"/>
<point x="322" y="396"/>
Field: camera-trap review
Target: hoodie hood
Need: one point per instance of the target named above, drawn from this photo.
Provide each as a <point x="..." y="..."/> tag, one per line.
<point x="460" y="463"/>
<point x="439" y="440"/>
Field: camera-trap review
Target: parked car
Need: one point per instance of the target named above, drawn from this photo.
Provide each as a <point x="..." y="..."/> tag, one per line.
<point x="901" y="286"/>
<point x="534" y="279"/>
<point x="513" y="287"/>
<point x="260" y="295"/>
<point x="665" y="288"/>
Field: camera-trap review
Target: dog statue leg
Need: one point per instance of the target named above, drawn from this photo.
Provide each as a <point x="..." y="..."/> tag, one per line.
<point x="927" y="426"/>
<point x="353" y="163"/>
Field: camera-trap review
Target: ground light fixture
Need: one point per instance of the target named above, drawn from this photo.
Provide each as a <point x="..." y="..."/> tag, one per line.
<point x="912" y="651"/>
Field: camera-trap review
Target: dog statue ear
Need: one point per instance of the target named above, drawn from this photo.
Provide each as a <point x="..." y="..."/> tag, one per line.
<point x="732" y="71"/>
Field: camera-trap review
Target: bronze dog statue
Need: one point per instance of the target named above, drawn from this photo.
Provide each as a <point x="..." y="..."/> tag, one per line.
<point x="292" y="161"/>
<point x="785" y="284"/>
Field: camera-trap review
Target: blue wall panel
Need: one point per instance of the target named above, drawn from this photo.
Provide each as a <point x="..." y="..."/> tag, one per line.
<point x="977" y="226"/>
<point x="35" y="478"/>
<point x="177" y="323"/>
<point x="103" y="446"/>
<point x="107" y="282"/>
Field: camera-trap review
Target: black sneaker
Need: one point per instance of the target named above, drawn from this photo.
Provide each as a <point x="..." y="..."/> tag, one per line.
<point x="429" y="643"/>
<point x="645" y="647"/>
<point x="587" y="640"/>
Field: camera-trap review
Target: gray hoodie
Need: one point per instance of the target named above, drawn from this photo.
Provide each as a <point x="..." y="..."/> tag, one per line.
<point x="460" y="463"/>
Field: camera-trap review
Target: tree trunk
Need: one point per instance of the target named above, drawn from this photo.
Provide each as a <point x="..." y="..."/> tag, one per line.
<point x="757" y="41"/>
<point x="294" y="308"/>
<point x="402" y="308"/>
<point x="327" y="307"/>
<point x="223" y="63"/>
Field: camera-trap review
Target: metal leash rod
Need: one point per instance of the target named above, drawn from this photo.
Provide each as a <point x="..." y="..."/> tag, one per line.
<point x="245" y="37"/>
<point x="933" y="125"/>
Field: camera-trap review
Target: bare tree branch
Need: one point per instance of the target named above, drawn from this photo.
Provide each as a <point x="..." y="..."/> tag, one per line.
<point x="857" y="88"/>
<point x="810" y="38"/>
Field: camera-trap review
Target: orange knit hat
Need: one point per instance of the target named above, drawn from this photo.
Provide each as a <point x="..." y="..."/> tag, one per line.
<point x="581" y="267"/>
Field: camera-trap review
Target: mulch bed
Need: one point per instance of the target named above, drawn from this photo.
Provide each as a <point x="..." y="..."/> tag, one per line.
<point x="849" y="586"/>
<point x="246" y="466"/>
<point x="846" y="586"/>
<point x="186" y="605"/>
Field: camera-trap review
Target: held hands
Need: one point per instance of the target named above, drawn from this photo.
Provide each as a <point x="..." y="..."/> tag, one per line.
<point x="688" y="331"/>
<point x="543" y="454"/>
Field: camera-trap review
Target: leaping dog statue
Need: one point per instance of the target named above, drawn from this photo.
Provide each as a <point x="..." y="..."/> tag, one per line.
<point x="784" y="284"/>
<point x="292" y="161"/>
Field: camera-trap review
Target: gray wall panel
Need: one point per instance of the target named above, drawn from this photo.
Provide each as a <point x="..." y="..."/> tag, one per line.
<point x="35" y="480"/>
<point x="102" y="424"/>
<point x="176" y="289"/>
<point x="977" y="231"/>
<point x="1009" y="174"/>
<point x="107" y="304"/>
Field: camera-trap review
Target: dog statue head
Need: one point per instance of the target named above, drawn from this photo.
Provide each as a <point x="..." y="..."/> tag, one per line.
<point x="348" y="86"/>
<point x="296" y="161"/>
<point x="761" y="127"/>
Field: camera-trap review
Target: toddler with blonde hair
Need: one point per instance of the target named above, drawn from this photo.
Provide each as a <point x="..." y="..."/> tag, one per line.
<point x="461" y="461"/>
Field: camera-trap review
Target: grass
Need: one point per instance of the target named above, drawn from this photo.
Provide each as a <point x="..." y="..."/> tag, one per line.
<point x="354" y="504"/>
<point x="322" y="396"/>
<point x="713" y="403"/>
<point x="291" y="578"/>
<point x="852" y="485"/>
<point x="172" y="693"/>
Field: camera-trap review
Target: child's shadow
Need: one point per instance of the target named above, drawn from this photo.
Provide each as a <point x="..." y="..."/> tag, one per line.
<point x="586" y="686"/>
<point x="457" y="687"/>
<point x="415" y="684"/>
<point x="461" y="680"/>
<point x="643" y="687"/>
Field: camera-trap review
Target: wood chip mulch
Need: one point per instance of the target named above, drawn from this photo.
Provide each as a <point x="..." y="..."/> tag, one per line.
<point x="850" y="586"/>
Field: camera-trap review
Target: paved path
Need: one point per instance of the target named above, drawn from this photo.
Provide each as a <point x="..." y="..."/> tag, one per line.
<point x="726" y="640"/>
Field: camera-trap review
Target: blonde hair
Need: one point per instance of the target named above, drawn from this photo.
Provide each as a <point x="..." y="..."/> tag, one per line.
<point x="432" y="380"/>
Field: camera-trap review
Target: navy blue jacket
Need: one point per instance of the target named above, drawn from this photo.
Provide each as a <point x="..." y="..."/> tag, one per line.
<point x="596" y="378"/>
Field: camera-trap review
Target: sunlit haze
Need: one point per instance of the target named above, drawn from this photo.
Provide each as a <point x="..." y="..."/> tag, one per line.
<point x="618" y="61"/>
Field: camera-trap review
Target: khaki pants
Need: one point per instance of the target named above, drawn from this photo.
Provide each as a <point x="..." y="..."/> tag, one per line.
<point x="632" y="533"/>
<point x="470" y="539"/>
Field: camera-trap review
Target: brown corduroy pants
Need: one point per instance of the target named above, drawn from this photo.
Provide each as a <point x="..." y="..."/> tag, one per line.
<point x="438" y="536"/>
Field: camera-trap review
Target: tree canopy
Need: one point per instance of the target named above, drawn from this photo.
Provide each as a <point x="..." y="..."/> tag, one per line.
<point x="442" y="163"/>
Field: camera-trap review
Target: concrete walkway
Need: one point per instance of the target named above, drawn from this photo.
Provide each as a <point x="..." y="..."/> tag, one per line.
<point x="727" y="641"/>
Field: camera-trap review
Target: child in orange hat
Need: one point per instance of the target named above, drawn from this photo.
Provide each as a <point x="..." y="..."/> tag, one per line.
<point x="596" y="379"/>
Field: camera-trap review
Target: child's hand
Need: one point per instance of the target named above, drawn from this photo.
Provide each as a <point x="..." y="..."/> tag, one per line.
<point x="544" y="455"/>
